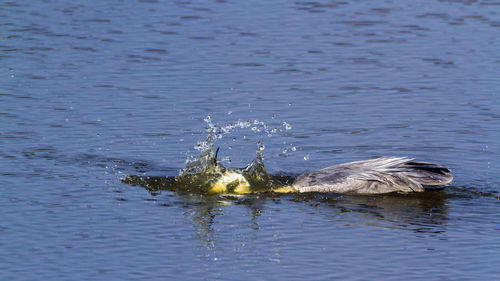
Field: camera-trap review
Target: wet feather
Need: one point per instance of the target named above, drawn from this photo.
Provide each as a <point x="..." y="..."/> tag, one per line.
<point x="380" y="175"/>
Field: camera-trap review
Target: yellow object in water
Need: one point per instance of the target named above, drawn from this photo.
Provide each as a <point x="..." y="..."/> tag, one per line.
<point x="232" y="182"/>
<point x="285" y="189"/>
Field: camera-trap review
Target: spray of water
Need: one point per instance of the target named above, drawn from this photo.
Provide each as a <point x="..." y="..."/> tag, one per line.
<point x="205" y="170"/>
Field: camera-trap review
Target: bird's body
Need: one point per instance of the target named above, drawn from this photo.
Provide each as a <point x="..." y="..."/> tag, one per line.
<point x="375" y="176"/>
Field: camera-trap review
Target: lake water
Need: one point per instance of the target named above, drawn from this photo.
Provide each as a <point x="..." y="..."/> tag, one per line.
<point x="92" y="92"/>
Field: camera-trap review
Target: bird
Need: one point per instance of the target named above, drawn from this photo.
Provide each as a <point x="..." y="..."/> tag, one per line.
<point x="376" y="176"/>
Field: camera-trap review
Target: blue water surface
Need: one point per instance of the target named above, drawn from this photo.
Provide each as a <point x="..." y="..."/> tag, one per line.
<point x="93" y="91"/>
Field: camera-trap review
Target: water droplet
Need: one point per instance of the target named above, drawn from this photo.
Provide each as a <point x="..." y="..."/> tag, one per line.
<point x="306" y="157"/>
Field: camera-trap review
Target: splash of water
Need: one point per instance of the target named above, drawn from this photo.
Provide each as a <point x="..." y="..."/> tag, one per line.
<point x="208" y="174"/>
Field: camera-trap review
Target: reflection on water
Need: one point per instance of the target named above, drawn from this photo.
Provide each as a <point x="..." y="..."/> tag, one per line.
<point x="425" y="212"/>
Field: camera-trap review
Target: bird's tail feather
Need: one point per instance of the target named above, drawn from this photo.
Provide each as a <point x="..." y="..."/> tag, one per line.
<point x="430" y="175"/>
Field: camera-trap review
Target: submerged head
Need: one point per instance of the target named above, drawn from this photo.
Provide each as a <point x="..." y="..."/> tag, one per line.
<point x="251" y="179"/>
<point x="230" y="182"/>
<point x="233" y="182"/>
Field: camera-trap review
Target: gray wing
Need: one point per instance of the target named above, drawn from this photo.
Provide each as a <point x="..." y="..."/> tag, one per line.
<point x="380" y="175"/>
